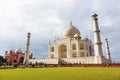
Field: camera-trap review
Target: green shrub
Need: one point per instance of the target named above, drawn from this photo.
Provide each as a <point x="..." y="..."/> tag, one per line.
<point x="33" y="65"/>
<point x="15" y="65"/>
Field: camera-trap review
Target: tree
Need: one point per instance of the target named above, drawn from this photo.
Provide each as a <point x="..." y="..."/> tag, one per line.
<point x="2" y="60"/>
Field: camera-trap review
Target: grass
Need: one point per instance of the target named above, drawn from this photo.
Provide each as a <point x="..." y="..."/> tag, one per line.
<point x="61" y="73"/>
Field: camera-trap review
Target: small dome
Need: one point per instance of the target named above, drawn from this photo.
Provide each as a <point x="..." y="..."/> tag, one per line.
<point x="71" y="30"/>
<point x="76" y="35"/>
<point x="19" y="50"/>
<point x="94" y="16"/>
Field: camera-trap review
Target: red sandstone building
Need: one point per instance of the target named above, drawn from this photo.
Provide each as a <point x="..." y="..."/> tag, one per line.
<point x="15" y="56"/>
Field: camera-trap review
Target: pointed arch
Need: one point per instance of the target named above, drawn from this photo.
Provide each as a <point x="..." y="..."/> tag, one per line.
<point x="62" y="51"/>
<point x="82" y="54"/>
<point x="73" y="46"/>
<point x="74" y="55"/>
<point x="52" y="56"/>
<point x="52" y="49"/>
<point x="90" y="50"/>
<point x="81" y="46"/>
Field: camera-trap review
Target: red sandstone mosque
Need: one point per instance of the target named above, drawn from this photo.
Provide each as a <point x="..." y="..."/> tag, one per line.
<point x="16" y="56"/>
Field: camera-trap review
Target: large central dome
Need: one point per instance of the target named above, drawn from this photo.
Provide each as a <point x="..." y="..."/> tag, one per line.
<point x="71" y="30"/>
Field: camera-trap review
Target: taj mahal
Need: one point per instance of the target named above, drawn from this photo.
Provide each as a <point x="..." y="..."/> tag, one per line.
<point x="72" y="49"/>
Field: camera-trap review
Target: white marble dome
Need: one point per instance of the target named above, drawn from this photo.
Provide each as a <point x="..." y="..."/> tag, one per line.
<point x="71" y="30"/>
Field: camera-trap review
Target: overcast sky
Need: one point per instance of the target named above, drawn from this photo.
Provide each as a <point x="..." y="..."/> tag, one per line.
<point x="46" y="19"/>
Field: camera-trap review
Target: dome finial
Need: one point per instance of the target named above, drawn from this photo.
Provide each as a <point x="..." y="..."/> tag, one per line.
<point x="70" y="22"/>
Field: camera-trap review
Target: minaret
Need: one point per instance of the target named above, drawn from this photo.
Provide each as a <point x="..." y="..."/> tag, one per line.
<point x="27" y="53"/>
<point x="107" y="50"/>
<point x="97" y="39"/>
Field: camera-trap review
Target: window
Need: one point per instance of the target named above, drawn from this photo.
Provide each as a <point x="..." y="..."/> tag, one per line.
<point x="90" y="50"/>
<point x="86" y="47"/>
<point x="52" y="55"/>
<point x="81" y="46"/>
<point x="74" y="47"/>
<point x="74" y="55"/>
<point x="86" y="54"/>
<point x="82" y="54"/>
<point x="52" y="49"/>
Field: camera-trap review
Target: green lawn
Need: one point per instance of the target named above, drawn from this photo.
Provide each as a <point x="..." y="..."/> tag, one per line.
<point x="61" y="73"/>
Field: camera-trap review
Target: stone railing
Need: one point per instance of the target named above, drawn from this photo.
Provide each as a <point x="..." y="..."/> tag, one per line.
<point x="80" y="60"/>
<point x="45" y="61"/>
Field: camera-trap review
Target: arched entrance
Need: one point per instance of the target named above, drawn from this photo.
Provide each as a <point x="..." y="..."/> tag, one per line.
<point x="21" y="60"/>
<point x="62" y="51"/>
